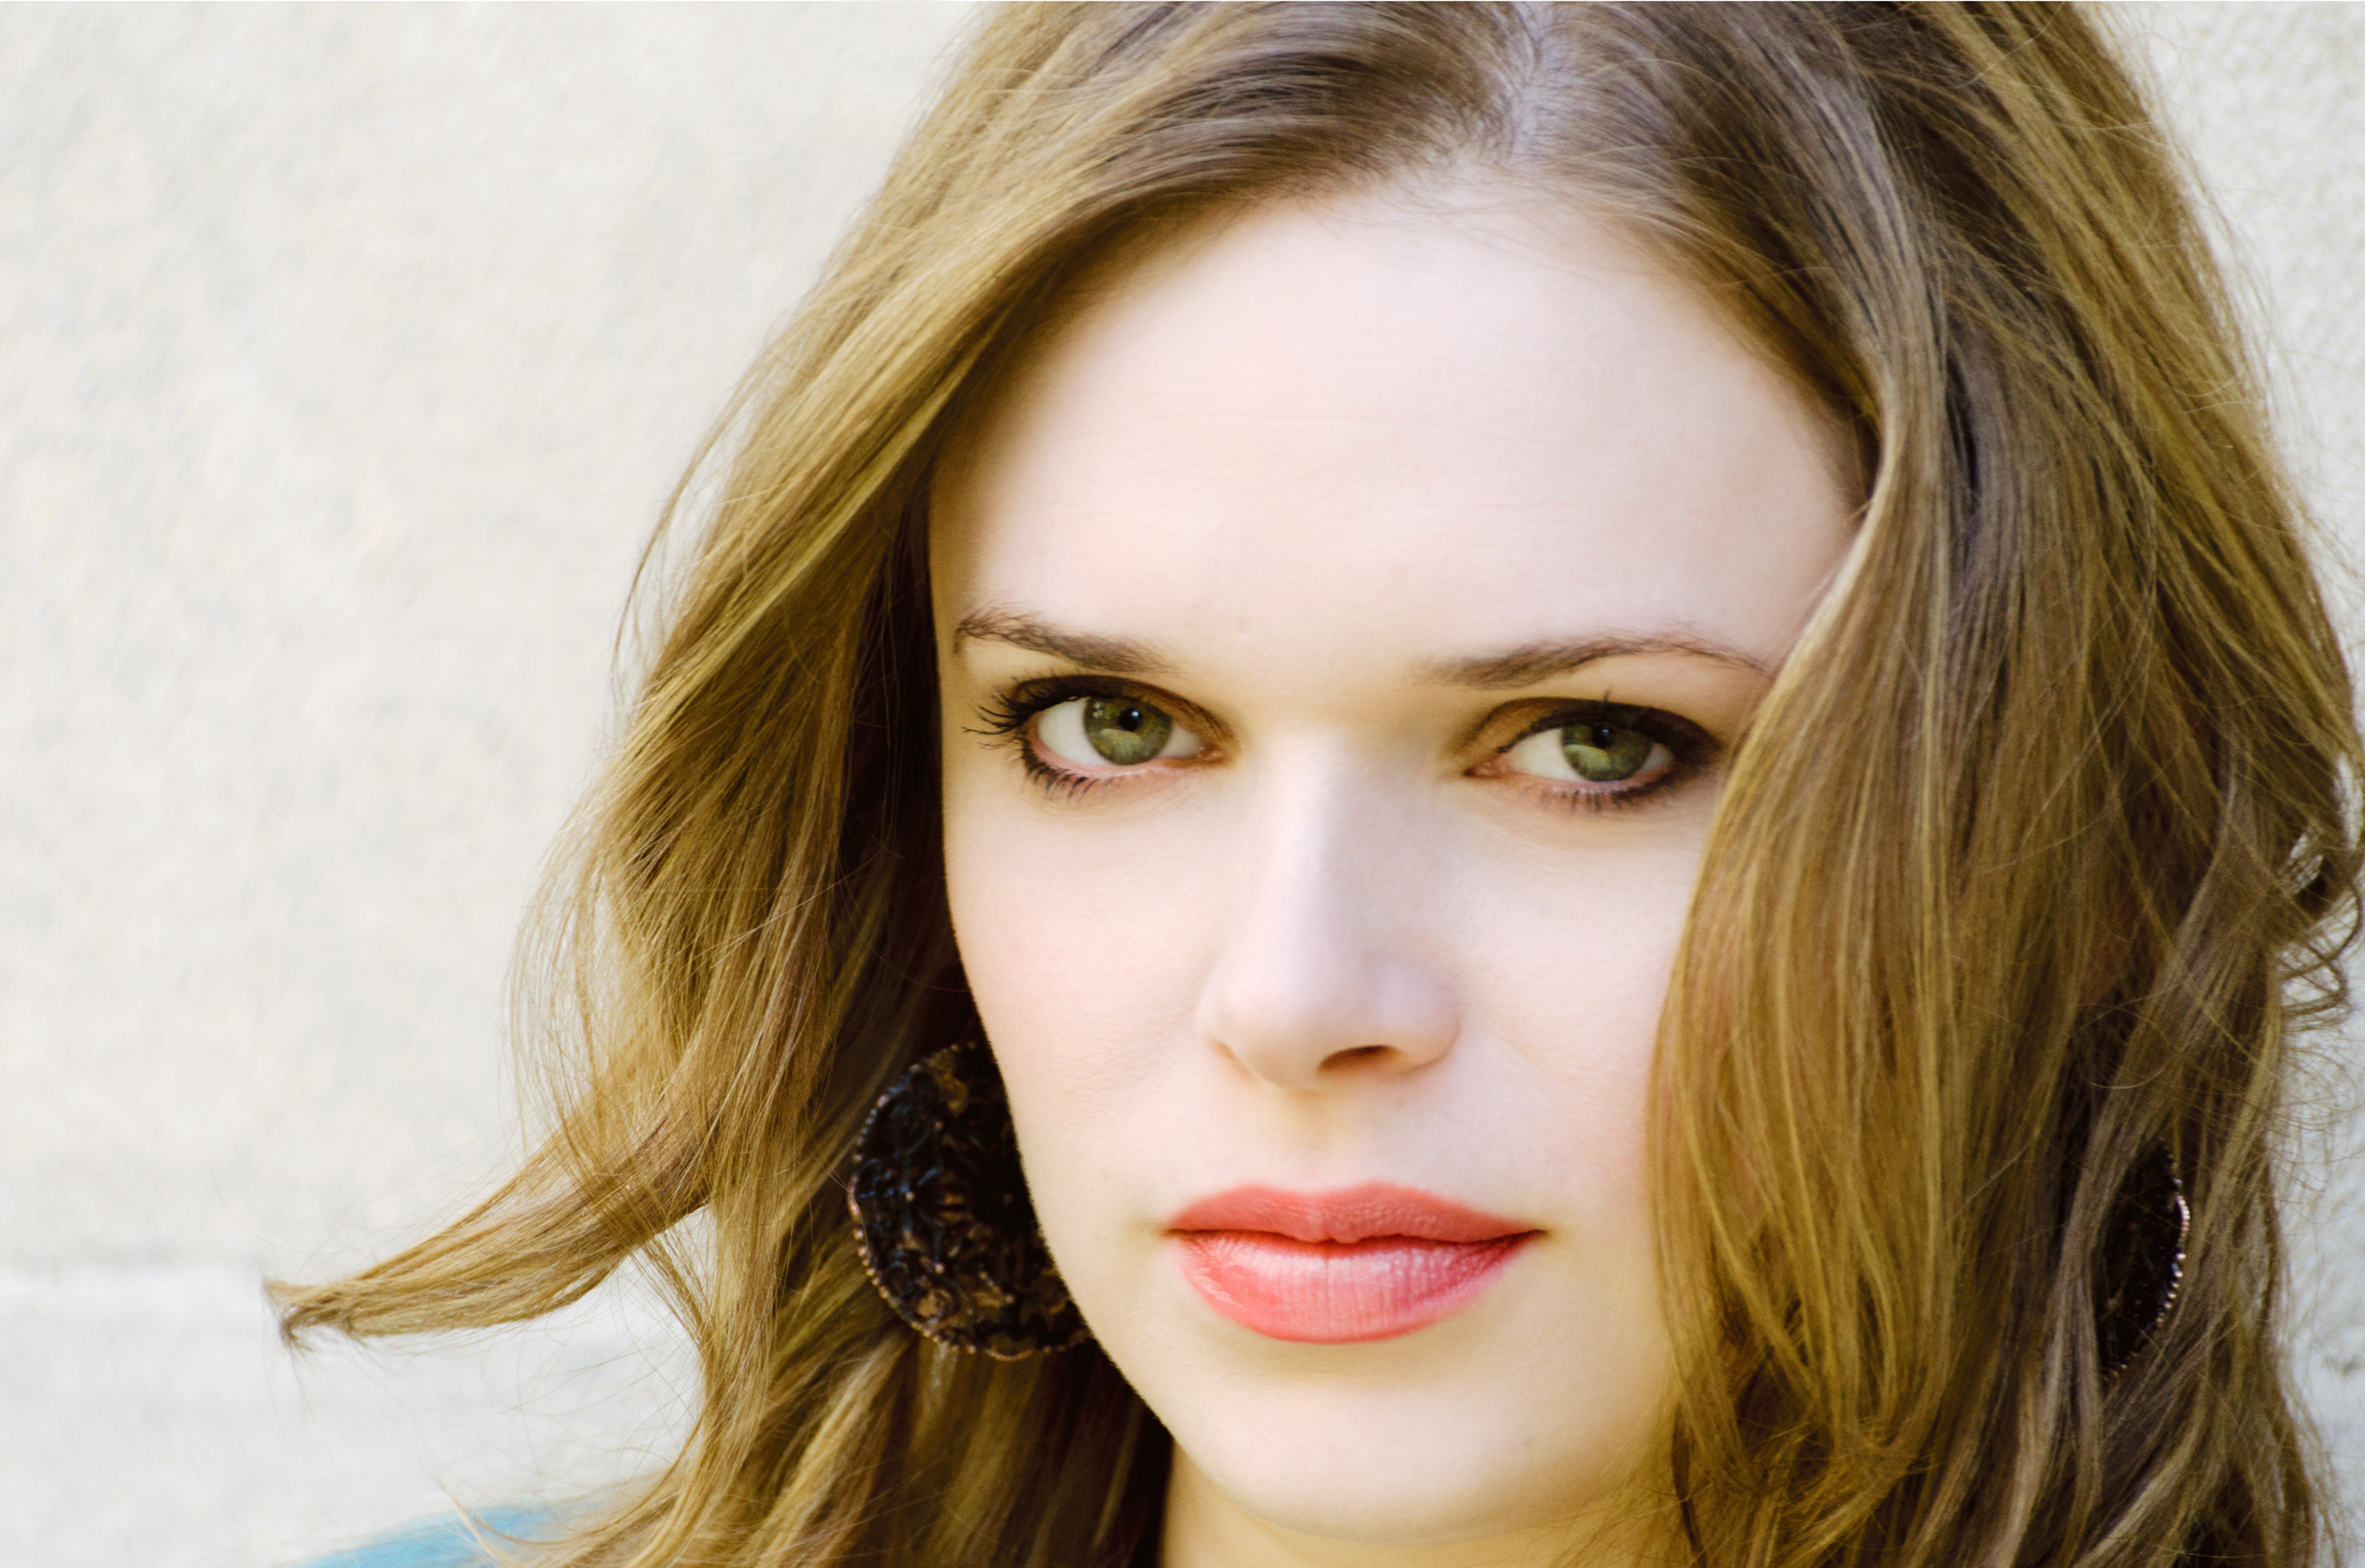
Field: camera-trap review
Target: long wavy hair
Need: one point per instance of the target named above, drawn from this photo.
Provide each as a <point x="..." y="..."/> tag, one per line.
<point x="2036" y="859"/>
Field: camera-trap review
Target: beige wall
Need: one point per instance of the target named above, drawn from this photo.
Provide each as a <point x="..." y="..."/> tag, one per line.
<point x="344" y="357"/>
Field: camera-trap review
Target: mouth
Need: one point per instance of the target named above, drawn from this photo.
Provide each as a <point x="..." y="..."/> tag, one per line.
<point x="1341" y="1268"/>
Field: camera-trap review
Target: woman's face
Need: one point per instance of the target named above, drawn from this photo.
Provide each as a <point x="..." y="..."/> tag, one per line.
<point x="1345" y="617"/>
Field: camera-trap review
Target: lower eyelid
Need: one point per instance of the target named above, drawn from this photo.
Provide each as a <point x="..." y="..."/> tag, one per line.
<point x="1599" y="798"/>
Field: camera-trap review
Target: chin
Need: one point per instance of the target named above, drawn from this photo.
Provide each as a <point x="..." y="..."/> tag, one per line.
<point x="1416" y="1477"/>
<point x="1450" y="1434"/>
<point x="1376" y="1505"/>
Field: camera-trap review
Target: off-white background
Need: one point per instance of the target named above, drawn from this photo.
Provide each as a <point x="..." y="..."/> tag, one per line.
<point x="345" y="356"/>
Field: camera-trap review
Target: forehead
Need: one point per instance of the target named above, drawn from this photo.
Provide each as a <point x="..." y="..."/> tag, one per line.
<point x="1363" y="424"/>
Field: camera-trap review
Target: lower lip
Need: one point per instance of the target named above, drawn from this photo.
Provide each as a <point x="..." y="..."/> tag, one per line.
<point x="1335" y="1293"/>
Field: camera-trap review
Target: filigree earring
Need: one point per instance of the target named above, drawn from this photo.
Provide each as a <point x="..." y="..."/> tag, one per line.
<point x="942" y="1219"/>
<point x="2142" y="1258"/>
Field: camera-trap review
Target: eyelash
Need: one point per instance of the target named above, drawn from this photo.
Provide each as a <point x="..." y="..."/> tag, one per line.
<point x="1692" y="750"/>
<point x="1007" y="715"/>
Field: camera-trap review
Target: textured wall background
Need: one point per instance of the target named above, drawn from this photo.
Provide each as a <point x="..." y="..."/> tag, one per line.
<point x="345" y="356"/>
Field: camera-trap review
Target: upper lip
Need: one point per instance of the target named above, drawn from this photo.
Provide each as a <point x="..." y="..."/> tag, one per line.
<point x="1374" y="1210"/>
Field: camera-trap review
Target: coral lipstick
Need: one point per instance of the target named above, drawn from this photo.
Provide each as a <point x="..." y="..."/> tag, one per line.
<point x="1340" y="1268"/>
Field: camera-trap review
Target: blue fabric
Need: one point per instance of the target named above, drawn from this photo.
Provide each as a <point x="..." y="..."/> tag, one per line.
<point x="447" y="1543"/>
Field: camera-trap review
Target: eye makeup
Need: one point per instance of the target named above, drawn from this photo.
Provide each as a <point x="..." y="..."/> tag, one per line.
<point x="1012" y="716"/>
<point x="1610" y="755"/>
<point x="1616" y="755"/>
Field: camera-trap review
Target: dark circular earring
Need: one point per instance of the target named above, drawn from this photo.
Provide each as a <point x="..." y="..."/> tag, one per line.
<point x="2142" y="1259"/>
<point x="941" y="1216"/>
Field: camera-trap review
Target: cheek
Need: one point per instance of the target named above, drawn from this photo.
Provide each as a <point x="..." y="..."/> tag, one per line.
<point x="1085" y="962"/>
<point x="1082" y="949"/>
<point x="1578" y="990"/>
<point x="1566" y="954"/>
<point x="1567" y="994"/>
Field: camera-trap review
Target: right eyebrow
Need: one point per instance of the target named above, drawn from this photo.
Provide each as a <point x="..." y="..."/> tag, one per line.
<point x="1116" y="656"/>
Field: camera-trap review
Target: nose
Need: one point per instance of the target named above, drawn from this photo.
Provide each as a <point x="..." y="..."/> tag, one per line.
<point x="1327" y="965"/>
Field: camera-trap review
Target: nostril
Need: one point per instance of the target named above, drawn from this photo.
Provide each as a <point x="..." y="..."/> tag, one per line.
<point x="1305" y="1007"/>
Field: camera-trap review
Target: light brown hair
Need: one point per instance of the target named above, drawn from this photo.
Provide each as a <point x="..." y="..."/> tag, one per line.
<point x="2034" y="858"/>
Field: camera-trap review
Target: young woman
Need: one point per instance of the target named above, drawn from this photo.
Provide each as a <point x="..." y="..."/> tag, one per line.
<point x="1611" y="721"/>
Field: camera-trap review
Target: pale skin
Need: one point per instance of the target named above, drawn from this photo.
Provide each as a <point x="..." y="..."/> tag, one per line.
<point x="1437" y="553"/>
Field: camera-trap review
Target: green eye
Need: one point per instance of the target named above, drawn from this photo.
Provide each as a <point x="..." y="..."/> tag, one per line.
<point x="1110" y="731"/>
<point x="1594" y="756"/>
<point x="1125" y="732"/>
<point x="1603" y="754"/>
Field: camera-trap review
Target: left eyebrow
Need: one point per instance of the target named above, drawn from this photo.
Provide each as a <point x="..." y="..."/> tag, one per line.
<point x="1540" y="661"/>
